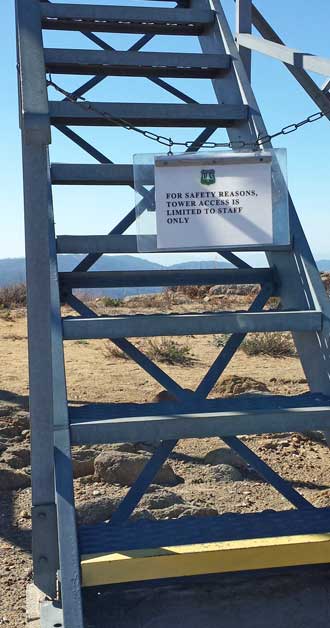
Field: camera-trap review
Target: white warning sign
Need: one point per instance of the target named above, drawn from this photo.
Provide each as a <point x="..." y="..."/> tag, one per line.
<point x="208" y="203"/>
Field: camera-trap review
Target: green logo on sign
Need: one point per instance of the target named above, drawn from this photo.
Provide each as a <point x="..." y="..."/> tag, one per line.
<point x="207" y="177"/>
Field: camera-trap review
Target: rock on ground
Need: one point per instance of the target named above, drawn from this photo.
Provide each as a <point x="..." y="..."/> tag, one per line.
<point x="96" y="510"/>
<point x="123" y="468"/>
<point x="83" y="462"/>
<point x="225" y="456"/>
<point x="158" y="500"/>
<point x="236" y="385"/>
<point x="17" y="457"/>
<point x="226" y="473"/>
<point x="12" y="479"/>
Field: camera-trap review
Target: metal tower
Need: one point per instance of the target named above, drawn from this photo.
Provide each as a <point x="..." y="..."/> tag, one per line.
<point x="64" y="555"/>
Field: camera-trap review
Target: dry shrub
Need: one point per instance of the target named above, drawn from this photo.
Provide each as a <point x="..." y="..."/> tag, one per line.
<point x="220" y="340"/>
<point x="170" y="351"/>
<point x="275" y="344"/>
<point x="110" y="350"/>
<point x="191" y="292"/>
<point x="13" y="296"/>
<point x="111" y="302"/>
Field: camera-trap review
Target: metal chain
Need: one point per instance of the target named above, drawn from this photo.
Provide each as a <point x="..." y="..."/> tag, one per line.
<point x="167" y="141"/>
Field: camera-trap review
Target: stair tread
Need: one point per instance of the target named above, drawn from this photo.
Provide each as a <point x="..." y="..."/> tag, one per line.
<point x="148" y="114"/>
<point x="245" y="414"/>
<point x="141" y="534"/>
<point x="128" y="244"/>
<point x="94" y="174"/>
<point x="147" y="325"/>
<point x="143" y="278"/>
<point x="252" y="402"/>
<point x="125" y="19"/>
<point x="132" y="63"/>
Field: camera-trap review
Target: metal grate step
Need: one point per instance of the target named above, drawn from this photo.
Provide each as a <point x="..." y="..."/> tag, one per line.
<point x="96" y="174"/>
<point x="115" y="279"/>
<point x="148" y="325"/>
<point x="128" y="63"/>
<point x="141" y="534"/>
<point x="148" y="114"/>
<point x="125" y="19"/>
<point x="245" y="414"/>
<point x="128" y="244"/>
<point x="151" y="550"/>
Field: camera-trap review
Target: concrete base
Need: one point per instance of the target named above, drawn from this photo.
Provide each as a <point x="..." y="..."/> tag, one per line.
<point x="40" y="612"/>
<point x="298" y="598"/>
<point x="34" y="599"/>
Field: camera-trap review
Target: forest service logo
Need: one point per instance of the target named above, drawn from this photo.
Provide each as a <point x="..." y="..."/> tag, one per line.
<point x="207" y="177"/>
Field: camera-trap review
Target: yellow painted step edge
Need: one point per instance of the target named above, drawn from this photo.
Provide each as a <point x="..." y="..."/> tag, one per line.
<point x="204" y="558"/>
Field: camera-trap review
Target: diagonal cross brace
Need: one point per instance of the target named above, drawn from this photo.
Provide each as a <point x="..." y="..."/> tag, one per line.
<point x="138" y="356"/>
<point x="89" y="260"/>
<point x="129" y="219"/>
<point x="162" y="452"/>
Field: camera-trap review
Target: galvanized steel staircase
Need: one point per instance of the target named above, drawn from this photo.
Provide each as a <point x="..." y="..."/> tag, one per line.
<point x="292" y="275"/>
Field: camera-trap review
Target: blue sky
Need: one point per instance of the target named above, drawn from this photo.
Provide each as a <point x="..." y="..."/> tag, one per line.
<point x="95" y="209"/>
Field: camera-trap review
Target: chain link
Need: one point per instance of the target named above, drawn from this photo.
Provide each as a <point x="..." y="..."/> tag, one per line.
<point x="167" y="141"/>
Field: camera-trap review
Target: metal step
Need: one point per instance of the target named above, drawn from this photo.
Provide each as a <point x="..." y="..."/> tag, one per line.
<point x="143" y="278"/>
<point x="96" y="174"/>
<point x="102" y="537"/>
<point x="147" y="114"/>
<point x="131" y="63"/>
<point x="148" y="325"/>
<point x="262" y="414"/>
<point x="153" y="550"/>
<point x="128" y="244"/>
<point x="125" y="19"/>
<point x="245" y="414"/>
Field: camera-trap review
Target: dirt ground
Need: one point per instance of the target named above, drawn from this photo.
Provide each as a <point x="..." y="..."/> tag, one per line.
<point x="102" y="376"/>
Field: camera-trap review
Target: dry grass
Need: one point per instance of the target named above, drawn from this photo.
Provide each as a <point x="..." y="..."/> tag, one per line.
<point x="275" y="344"/>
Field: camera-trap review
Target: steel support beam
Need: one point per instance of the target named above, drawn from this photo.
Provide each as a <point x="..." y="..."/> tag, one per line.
<point x="307" y="83"/>
<point x="300" y="278"/>
<point x="244" y="25"/>
<point x="40" y="297"/>
<point x="289" y="56"/>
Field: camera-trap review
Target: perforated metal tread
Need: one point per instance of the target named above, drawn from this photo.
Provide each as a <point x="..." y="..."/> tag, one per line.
<point x="104" y="537"/>
<point x="231" y="404"/>
<point x="125" y="19"/>
<point x="107" y="423"/>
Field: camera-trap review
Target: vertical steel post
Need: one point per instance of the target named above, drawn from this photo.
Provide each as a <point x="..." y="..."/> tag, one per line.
<point x="244" y="25"/>
<point x="48" y="398"/>
<point x="38" y="234"/>
<point x="300" y="281"/>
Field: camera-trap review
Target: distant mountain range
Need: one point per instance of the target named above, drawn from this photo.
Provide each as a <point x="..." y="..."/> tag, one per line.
<point x="12" y="270"/>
